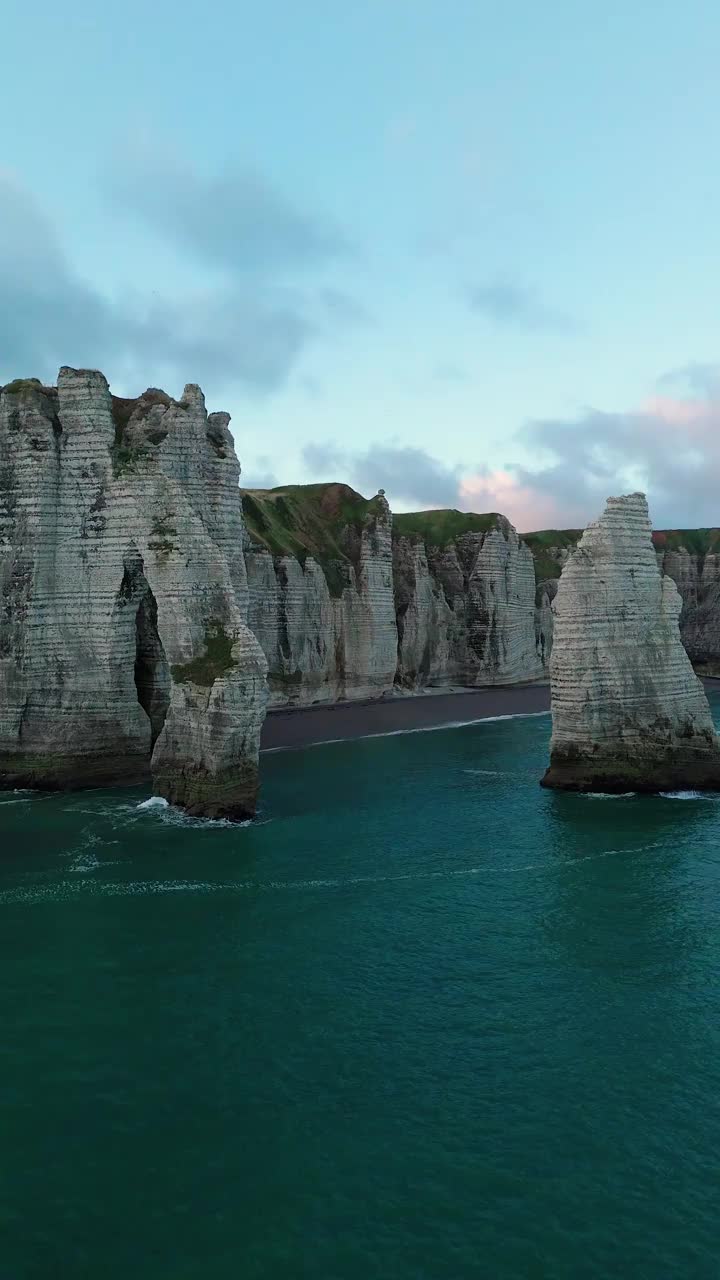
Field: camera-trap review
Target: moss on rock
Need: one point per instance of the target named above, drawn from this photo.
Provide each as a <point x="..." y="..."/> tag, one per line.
<point x="323" y="521"/>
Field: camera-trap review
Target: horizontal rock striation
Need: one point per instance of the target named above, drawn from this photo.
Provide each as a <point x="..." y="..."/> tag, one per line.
<point x="466" y="603"/>
<point x="629" y="714"/>
<point x="319" y="565"/>
<point x="691" y="557"/>
<point x="124" y="645"/>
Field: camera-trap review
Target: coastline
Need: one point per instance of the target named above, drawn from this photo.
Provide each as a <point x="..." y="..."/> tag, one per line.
<point x="287" y="729"/>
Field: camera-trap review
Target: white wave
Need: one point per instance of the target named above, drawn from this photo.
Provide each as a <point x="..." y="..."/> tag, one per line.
<point x="608" y="795"/>
<point x="394" y="733"/>
<point x="142" y="888"/>
<point x="27" y="795"/>
<point x="175" y="817"/>
<point x="85" y="862"/>
<point x="686" y="795"/>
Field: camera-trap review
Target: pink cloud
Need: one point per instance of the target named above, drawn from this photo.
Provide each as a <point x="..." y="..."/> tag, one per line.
<point x="525" y="507"/>
<point x="679" y="413"/>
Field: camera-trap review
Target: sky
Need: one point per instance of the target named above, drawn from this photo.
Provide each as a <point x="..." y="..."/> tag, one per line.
<point x="463" y="251"/>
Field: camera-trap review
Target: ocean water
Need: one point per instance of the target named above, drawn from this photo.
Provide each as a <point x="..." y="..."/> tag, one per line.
<point x="422" y="1021"/>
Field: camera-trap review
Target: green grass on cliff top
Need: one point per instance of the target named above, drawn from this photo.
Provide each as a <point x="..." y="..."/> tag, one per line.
<point x="697" y="541"/>
<point x="438" y="528"/>
<point x="304" y="520"/>
<point x="545" y="544"/>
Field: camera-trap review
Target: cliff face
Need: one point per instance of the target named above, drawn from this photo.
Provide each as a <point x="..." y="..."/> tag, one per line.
<point x="123" y="637"/>
<point x="691" y="557"/>
<point x="319" y="565"/>
<point x="628" y="711"/>
<point x="466" y="602"/>
<point x="346" y="606"/>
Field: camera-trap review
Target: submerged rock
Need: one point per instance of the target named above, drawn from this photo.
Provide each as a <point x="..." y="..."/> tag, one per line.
<point x="124" y="645"/>
<point x="629" y="714"/>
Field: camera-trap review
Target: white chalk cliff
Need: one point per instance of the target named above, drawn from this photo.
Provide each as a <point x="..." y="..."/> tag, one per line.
<point x="124" y="645"/>
<point x="319" y="564"/>
<point x="628" y="711"/>
<point x="466" y="609"/>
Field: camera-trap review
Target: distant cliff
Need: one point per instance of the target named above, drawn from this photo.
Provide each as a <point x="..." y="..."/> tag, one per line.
<point x="349" y="602"/>
<point x="124" y="646"/>
<point x="691" y="557"/>
<point x="319" y="567"/>
<point x="465" y="601"/>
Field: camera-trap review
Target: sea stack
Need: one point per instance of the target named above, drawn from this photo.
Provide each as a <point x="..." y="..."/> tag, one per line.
<point x="628" y="711"/>
<point x="124" y="647"/>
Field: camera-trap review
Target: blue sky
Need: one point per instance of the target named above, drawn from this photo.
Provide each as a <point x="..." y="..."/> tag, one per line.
<point x="465" y="251"/>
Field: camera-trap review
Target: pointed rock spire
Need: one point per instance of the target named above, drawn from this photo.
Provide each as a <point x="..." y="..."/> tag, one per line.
<point x="629" y="713"/>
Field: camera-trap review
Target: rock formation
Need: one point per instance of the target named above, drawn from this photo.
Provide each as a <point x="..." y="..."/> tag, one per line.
<point x="629" y="714"/>
<point x="124" y="644"/>
<point x="319" y="564"/>
<point x="345" y="605"/>
<point x="691" y="557"/>
<point x="466" y="602"/>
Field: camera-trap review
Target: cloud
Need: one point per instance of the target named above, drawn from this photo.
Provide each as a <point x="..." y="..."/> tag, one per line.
<point x="48" y="316"/>
<point x="260" y="474"/>
<point x="237" y="221"/>
<point x="246" y="327"/>
<point x="669" y="447"/>
<point x="410" y="476"/>
<point x="322" y="459"/>
<point x="699" y="378"/>
<point x="515" y="306"/>
<point x="503" y="491"/>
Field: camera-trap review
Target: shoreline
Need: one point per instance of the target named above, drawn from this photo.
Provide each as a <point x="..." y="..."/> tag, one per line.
<point x="288" y="729"/>
<point x="292" y="728"/>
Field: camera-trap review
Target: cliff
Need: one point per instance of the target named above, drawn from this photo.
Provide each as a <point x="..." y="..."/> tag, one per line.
<point x="124" y="645"/>
<point x="348" y="601"/>
<point x="466" y="601"/>
<point x="319" y="566"/>
<point x="628" y="712"/>
<point x="691" y="557"/>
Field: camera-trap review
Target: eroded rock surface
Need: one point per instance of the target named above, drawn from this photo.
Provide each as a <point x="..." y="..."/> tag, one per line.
<point x="124" y="645"/>
<point x="319" y="564"/>
<point x="466" y="606"/>
<point x="629" y="714"/>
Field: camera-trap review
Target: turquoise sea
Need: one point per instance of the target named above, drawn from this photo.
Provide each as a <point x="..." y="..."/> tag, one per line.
<point x="422" y="1021"/>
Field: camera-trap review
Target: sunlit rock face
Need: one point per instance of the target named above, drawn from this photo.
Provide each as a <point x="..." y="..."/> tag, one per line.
<point x="628" y="712"/>
<point x="124" y="645"/>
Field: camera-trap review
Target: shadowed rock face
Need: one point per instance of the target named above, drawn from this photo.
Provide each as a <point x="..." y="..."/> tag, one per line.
<point x="124" y="647"/>
<point x="319" y="564"/>
<point x="629" y="714"/>
<point x="348" y="601"/>
<point x="467" y="610"/>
